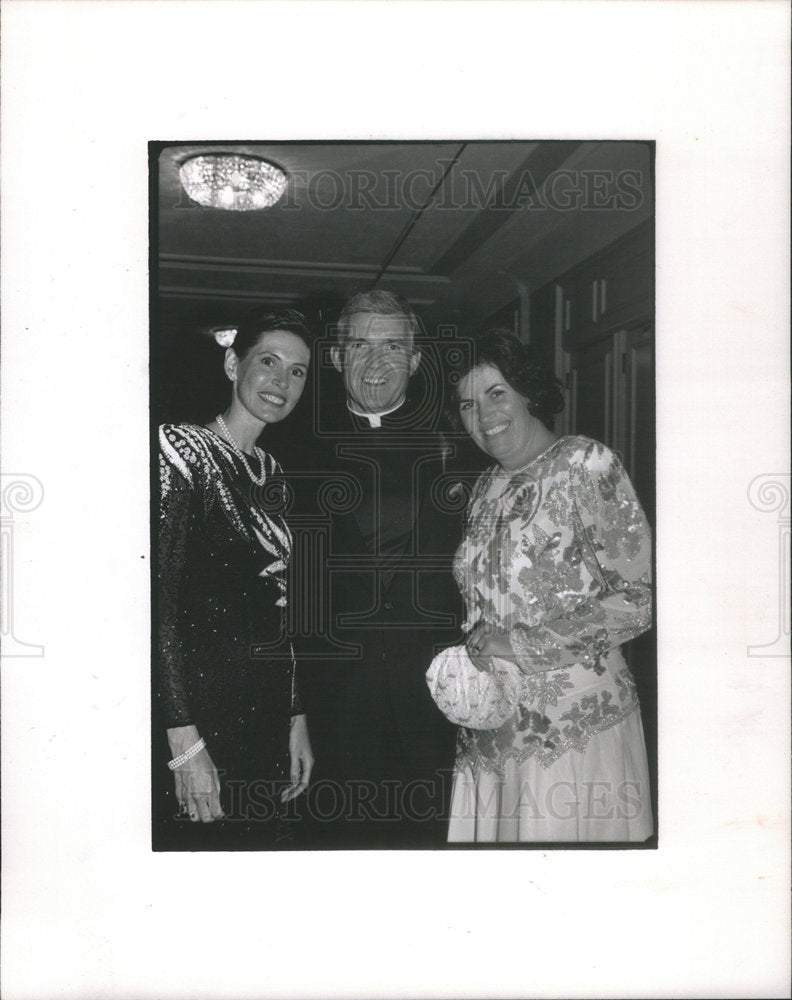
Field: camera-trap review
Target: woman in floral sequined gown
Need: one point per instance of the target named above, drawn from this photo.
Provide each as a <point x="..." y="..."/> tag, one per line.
<point x="225" y="693"/>
<point x="554" y="567"/>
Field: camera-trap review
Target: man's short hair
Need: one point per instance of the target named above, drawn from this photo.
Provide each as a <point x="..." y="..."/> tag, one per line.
<point x="380" y="302"/>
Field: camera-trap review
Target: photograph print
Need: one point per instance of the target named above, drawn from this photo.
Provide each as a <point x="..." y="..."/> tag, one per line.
<point x="403" y="495"/>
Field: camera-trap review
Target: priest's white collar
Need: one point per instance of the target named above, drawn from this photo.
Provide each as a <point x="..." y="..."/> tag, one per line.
<point x="375" y="419"/>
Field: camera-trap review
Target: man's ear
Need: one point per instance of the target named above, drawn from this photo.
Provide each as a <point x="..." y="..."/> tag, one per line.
<point x="415" y="360"/>
<point x="230" y="363"/>
<point x="337" y="357"/>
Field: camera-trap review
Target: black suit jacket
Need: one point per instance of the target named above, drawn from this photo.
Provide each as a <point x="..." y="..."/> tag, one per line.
<point x="371" y="604"/>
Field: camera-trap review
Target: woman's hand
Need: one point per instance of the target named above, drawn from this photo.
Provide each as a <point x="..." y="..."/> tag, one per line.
<point x="485" y="641"/>
<point x="197" y="781"/>
<point x="302" y="759"/>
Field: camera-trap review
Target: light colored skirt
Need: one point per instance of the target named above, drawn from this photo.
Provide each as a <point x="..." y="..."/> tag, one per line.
<point x="600" y="794"/>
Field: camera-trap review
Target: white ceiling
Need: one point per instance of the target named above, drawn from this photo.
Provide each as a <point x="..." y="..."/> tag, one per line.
<point x="420" y="218"/>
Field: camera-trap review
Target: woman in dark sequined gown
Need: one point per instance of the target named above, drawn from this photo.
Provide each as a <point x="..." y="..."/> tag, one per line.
<point x="237" y="740"/>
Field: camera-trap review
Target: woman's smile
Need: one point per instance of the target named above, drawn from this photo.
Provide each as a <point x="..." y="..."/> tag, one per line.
<point x="491" y="432"/>
<point x="274" y="398"/>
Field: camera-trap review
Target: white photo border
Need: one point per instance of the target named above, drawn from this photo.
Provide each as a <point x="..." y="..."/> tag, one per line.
<point x="89" y="910"/>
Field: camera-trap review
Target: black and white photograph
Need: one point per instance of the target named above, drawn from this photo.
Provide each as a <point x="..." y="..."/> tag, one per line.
<point x="404" y="398"/>
<point x="394" y="499"/>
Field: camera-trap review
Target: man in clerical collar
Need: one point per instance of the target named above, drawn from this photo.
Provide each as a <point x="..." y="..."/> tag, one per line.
<point x="376" y="353"/>
<point x="384" y="752"/>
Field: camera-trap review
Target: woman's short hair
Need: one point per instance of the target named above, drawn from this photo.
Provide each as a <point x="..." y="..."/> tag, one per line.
<point x="381" y="303"/>
<point x="263" y="319"/>
<point x="520" y="367"/>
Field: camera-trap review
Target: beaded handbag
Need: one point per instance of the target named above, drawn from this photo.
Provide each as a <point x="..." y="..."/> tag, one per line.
<point x="467" y="696"/>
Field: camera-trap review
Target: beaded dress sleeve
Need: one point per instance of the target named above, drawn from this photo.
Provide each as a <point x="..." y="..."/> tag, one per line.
<point x="602" y="571"/>
<point x="176" y="501"/>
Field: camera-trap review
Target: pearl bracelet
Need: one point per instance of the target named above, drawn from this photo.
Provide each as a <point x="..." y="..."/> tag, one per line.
<point x="188" y="753"/>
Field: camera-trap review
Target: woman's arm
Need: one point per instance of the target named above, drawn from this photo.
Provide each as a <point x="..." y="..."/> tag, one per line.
<point x="174" y="519"/>
<point x="300" y="756"/>
<point x="300" y="753"/>
<point x="613" y="537"/>
<point x="196" y="780"/>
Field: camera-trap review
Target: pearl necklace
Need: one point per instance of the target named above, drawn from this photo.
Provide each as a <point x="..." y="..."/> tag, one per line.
<point x="258" y="480"/>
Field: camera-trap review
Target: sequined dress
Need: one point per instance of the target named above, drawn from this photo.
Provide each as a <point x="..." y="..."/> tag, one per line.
<point x="558" y="555"/>
<point x="224" y="665"/>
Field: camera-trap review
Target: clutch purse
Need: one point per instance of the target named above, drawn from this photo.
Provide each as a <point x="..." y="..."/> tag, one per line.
<point x="467" y="696"/>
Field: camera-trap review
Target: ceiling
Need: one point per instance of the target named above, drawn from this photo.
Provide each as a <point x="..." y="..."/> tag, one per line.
<point x="461" y="229"/>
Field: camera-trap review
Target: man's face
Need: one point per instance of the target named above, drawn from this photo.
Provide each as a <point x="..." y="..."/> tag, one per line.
<point x="376" y="360"/>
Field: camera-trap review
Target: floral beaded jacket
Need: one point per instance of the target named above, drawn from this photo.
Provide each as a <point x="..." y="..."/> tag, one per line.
<point x="558" y="555"/>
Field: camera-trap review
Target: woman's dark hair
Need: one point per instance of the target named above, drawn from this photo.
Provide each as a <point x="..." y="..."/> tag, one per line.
<point x="520" y="367"/>
<point x="263" y="320"/>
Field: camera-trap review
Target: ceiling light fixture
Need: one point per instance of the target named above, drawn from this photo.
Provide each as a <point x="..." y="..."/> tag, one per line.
<point x="235" y="183"/>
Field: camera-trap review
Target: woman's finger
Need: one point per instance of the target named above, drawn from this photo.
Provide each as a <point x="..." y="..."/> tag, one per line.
<point x="181" y="794"/>
<point x="215" y="807"/>
<point x="214" y="800"/>
<point x="204" y="812"/>
<point x="195" y="800"/>
<point x="481" y="661"/>
<point x="192" y="809"/>
<point x="293" y="791"/>
<point x="477" y="638"/>
<point x="476" y="648"/>
<point x="295" y="771"/>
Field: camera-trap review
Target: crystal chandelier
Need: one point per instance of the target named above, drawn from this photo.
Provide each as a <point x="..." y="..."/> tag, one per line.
<point x="235" y="183"/>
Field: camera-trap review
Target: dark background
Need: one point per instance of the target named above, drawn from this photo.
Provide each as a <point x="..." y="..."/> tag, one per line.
<point x="554" y="240"/>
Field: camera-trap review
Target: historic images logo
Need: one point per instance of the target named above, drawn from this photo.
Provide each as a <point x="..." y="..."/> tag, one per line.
<point x="19" y="494"/>
<point x="562" y="190"/>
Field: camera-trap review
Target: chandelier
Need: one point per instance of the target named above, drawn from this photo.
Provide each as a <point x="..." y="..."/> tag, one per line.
<point x="235" y="183"/>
